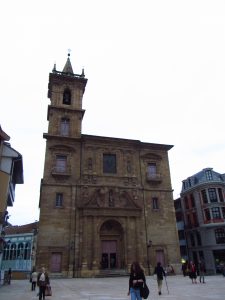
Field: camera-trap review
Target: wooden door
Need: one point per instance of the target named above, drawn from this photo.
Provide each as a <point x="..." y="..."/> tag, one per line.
<point x="56" y="262"/>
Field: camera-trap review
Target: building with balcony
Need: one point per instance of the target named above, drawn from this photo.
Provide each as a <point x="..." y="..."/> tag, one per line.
<point x="203" y="206"/>
<point x="19" y="252"/>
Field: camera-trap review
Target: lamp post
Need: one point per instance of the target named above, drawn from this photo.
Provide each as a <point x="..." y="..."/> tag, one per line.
<point x="149" y="245"/>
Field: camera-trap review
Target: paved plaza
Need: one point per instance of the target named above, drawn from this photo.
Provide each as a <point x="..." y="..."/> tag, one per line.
<point x="180" y="288"/>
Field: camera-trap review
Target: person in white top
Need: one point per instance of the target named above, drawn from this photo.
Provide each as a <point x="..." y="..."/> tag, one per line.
<point x="33" y="280"/>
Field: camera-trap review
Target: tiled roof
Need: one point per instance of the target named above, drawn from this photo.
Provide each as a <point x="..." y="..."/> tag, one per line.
<point x="28" y="228"/>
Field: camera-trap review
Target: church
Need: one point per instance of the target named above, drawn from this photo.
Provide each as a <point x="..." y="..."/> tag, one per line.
<point x="104" y="202"/>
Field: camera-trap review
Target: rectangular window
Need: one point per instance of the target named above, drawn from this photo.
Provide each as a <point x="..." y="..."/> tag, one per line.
<point x="212" y="195"/>
<point x="195" y="219"/>
<point x="109" y="163"/>
<point x="192" y="239"/>
<point x="189" y="221"/>
<point x="220" y="236"/>
<point x="151" y="170"/>
<point x="186" y="202"/>
<point x="155" y="203"/>
<point x="60" y="163"/>
<point x="201" y="255"/>
<point x="179" y="216"/>
<point x="220" y="192"/>
<point x="207" y="214"/>
<point x="181" y="235"/>
<point x="64" y="127"/>
<point x="59" y="200"/>
<point x="183" y="250"/>
<point x="223" y="212"/>
<point x="199" y="239"/>
<point x="192" y="200"/>
<point x="216" y="213"/>
<point x="204" y="196"/>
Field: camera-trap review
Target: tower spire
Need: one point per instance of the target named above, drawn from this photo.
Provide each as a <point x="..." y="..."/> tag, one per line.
<point x="68" y="67"/>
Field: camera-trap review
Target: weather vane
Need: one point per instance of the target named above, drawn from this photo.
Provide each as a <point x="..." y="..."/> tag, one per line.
<point x="69" y="50"/>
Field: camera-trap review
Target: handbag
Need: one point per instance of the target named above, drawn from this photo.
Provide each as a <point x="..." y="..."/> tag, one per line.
<point x="48" y="290"/>
<point x="144" y="291"/>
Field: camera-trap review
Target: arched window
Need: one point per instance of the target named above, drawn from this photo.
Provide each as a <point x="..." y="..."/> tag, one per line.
<point x="6" y="252"/>
<point x="67" y="97"/>
<point x="20" y="251"/>
<point x="12" y="252"/>
<point x="27" y="251"/>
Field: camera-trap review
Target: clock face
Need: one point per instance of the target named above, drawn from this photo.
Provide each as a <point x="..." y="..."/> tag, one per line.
<point x="109" y="163"/>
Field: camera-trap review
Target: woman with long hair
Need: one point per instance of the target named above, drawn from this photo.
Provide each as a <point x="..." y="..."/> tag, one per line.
<point x="136" y="280"/>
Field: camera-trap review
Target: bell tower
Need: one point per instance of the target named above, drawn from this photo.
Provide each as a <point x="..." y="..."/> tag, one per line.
<point x="65" y="113"/>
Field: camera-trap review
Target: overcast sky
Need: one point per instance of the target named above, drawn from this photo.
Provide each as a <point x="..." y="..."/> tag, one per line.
<point x="155" y="69"/>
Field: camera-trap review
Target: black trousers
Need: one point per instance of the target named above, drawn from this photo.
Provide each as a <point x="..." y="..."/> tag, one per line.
<point x="42" y="292"/>
<point x="33" y="285"/>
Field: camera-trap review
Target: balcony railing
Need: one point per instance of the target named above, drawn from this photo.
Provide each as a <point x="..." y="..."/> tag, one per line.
<point x="157" y="178"/>
<point x="212" y="221"/>
<point x="61" y="171"/>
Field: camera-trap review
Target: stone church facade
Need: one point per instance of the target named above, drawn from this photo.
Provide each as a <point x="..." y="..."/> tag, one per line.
<point x="104" y="202"/>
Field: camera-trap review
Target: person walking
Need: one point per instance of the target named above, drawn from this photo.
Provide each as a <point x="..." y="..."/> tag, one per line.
<point x="192" y="272"/>
<point x="136" y="280"/>
<point x="34" y="275"/>
<point x="202" y="271"/>
<point x="42" y="282"/>
<point x="159" y="271"/>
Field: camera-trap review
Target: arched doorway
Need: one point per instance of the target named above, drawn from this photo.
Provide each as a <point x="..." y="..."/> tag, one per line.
<point x="111" y="237"/>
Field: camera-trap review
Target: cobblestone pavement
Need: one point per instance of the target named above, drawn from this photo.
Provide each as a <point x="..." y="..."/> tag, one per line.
<point x="179" y="288"/>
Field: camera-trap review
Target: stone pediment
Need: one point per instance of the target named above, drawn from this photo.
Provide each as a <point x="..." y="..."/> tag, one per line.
<point x="152" y="156"/>
<point x="60" y="147"/>
<point x="112" y="198"/>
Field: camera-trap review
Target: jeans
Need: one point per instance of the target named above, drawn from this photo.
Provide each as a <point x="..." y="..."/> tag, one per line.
<point x="135" y="294"/>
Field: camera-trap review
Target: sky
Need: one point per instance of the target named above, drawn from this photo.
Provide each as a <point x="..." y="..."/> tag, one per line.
<point x="155" y="70"/>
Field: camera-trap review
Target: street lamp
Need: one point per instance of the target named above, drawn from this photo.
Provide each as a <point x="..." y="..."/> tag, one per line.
<point x="149" y="245"/>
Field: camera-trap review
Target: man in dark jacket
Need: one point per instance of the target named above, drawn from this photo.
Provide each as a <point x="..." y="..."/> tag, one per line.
<point x="159" y="271"/>
<point x="42" y="282"/>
